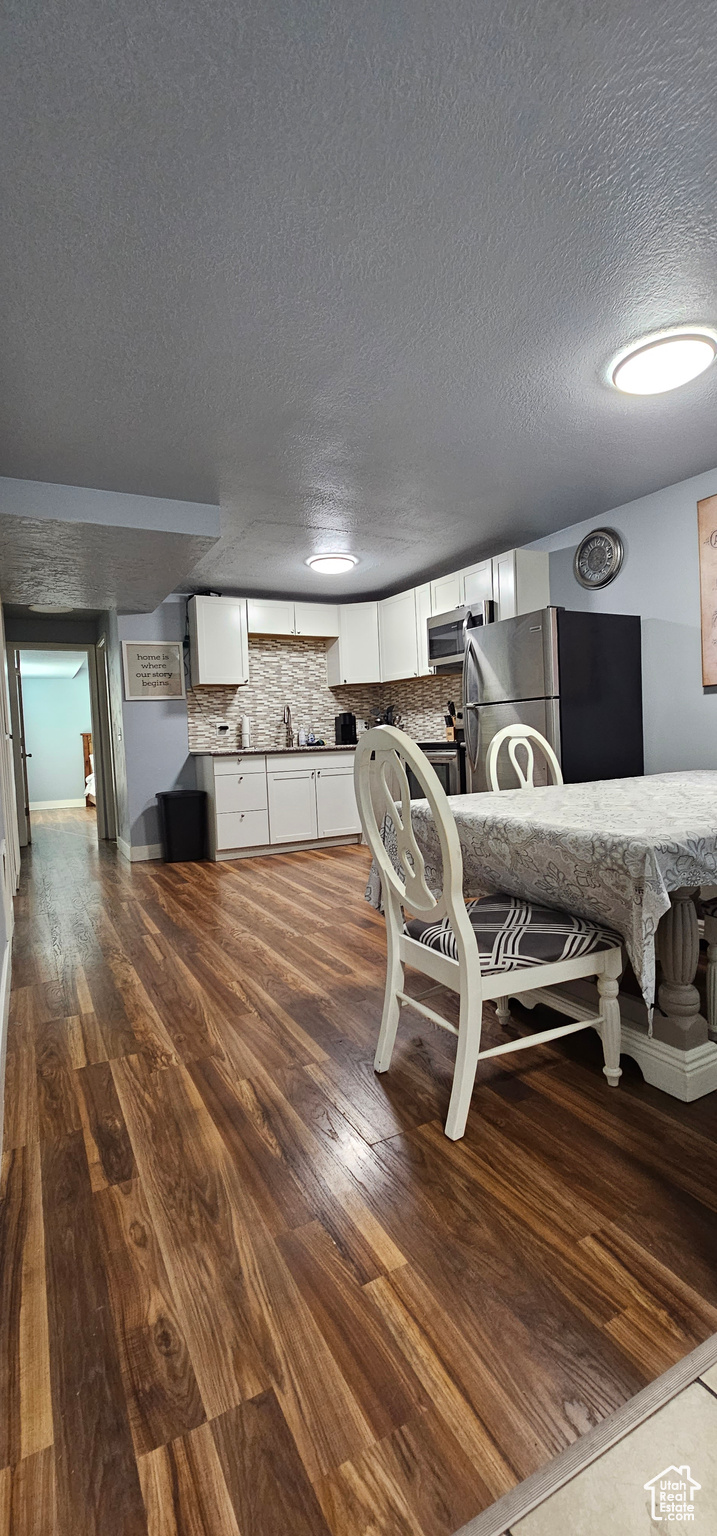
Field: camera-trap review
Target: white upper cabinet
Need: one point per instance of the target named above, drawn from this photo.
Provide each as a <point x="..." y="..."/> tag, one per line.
<point x="447" y="593"/>
<point x="518" y="582"/>
<point x="478" y="582"/>
<point x="521" y="581"/>
<point x="398" y="636"/>
<point x="218" y="648"/>
<point x="268" y="616"/>
<point x="423" y="613"/>
<point x="316" y="619"/>
<point x="354" y="657"/>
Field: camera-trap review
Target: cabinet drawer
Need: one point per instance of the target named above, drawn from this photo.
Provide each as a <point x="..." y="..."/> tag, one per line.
<point x="239" y="764"/>
<point x="242" y="829"/>
<point x="240" y="792"/>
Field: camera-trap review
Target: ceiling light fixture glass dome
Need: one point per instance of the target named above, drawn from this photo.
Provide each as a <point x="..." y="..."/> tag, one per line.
<point x="665" y="360"/>
<point x="332" y="565"/>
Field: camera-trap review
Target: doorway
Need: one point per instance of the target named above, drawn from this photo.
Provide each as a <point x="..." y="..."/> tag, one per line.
<point x="60" y="735"/>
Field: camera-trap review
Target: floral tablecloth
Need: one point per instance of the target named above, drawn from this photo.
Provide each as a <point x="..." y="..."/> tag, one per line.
<point x="612" y="850"/>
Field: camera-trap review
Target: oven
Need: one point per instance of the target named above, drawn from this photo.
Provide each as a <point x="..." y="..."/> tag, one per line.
<point x="447" y="758"/>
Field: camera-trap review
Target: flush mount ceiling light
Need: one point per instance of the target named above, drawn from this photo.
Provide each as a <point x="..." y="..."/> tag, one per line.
<point x="664" y="361"/>
<point x="332" y="565"/>
<point x="48" y="608"/>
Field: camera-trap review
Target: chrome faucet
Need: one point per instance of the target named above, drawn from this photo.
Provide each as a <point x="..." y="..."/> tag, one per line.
<point x="289" y="727"/>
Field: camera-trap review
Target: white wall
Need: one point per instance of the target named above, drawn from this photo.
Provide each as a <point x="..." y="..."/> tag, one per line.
<point x="660" y="581"/>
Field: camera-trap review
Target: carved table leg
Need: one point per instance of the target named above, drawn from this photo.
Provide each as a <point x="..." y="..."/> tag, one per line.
<point x="677" y="1019"/>
<point x="711" y="937"/>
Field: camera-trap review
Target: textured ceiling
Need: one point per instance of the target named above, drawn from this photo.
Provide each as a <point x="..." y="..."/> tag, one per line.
<point x="88" y="566"/>
<point x="355" y="268"/>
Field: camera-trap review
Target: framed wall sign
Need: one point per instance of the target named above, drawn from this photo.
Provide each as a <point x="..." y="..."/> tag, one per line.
<point x="707" y="531"/>
<point x="153" y="669"/>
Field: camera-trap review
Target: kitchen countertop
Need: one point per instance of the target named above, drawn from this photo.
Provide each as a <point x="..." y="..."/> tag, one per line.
<point x="265" y="751"/>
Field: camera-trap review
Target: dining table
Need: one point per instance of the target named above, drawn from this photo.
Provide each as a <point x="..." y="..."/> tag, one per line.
<point x="632" y="853"/>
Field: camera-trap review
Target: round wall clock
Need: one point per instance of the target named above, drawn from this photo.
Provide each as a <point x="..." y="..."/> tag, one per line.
<point x="598" y="558"/>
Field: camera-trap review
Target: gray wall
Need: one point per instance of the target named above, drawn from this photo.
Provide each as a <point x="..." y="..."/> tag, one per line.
<point x="56" y="711"/>
<point x="660" y="581"/>
<point x="156" y="746"/>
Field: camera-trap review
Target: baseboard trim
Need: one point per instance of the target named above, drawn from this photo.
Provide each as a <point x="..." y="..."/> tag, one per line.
<point x="138" y="853"/>
<point x="56" y="805"/>
<point x="514" y="1506"/>
<point x="260" y="852"/>
<point x="5" y="975"/>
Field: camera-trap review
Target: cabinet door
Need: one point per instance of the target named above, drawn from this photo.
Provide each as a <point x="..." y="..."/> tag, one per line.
<point x="355" y="658"/>
<point x="218" y="648"/>
<point x="292" y="805"/>
<point x="267" y="616"/>
<point x="504" y="585"/>
<point x="336" y="802"/>
<point x="478" y="582"/>
<point x="316" y="619"/>
<point x="397" y="636"/>
<point x="423" y="614"/>
<point x="446" y="593"/>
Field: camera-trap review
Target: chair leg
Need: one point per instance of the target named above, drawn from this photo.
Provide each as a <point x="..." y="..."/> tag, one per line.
<point x="464" y="1075"/>
<point x="611" y="1032"/>
<point x="711" y="937"/>
<point x="391" y="1006"/>
<point x="502" y="1008"/>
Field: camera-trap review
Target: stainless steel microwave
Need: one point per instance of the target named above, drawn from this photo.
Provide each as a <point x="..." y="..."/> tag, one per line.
<point x="447" y="632"/>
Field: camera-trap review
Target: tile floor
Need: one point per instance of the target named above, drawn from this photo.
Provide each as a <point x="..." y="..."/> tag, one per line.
<point x="610" y="1496"/>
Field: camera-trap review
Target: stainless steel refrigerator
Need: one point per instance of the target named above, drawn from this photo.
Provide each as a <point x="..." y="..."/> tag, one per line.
<point x="576" y="677"/>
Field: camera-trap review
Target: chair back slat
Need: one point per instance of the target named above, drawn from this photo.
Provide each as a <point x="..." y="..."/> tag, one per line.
<point x="382" y="788"/>
<point x="521" y="737"/>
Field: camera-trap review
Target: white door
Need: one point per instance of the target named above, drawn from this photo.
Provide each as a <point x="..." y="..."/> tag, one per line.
<point x="446" y="593"/>
<point x="423" y="614"/>
<point x="478" y="582"/>
<point x="19" y="754"/>
<point x="504" y="585"/>
<point x="355" y="658"/>
<point x="270" y="616"/>
<point x="336" y="801"/>
<point x="316" y="619"/>
<point x="292" y="804"/>
<point x="397" y="636"/>
<point x="11" y="862"/>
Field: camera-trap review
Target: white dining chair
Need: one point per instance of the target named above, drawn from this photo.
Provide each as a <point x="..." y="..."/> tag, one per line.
<point x="470" y="947"/>
<point x="521" y="736"/>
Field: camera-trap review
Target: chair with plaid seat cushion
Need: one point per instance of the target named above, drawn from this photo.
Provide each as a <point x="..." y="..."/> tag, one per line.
<point x="470" y="947"/>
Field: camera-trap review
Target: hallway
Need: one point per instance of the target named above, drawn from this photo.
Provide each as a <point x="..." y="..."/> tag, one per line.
<point x="248" y="1287"/>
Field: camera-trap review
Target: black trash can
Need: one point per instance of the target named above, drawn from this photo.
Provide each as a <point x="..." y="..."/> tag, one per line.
<point x="183" y="824"/>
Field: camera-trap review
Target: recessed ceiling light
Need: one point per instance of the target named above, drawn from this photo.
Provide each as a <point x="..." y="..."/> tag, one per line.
<point x="664" y="361"/>
<point x="332" y="565"/>
<point x="48" y="608"/>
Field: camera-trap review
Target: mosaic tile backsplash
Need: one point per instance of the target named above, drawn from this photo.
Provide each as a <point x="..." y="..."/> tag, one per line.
<point x="292" y="671"/>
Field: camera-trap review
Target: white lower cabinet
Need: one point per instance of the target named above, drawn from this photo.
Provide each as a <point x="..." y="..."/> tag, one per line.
<point x="241" y="829"/>
<point x="260" y="800"/>
<point x="292" y="804"/>
<point x="336" y="809"/>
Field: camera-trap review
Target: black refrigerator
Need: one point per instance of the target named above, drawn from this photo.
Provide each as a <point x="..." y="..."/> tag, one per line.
<point x="576" y="677"/>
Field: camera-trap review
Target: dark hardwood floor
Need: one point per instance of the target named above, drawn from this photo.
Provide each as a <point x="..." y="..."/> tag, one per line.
<point x="249" y="1288"/>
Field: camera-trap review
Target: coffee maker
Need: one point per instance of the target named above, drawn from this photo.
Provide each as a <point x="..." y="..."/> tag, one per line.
<point x="345" y="729"/>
